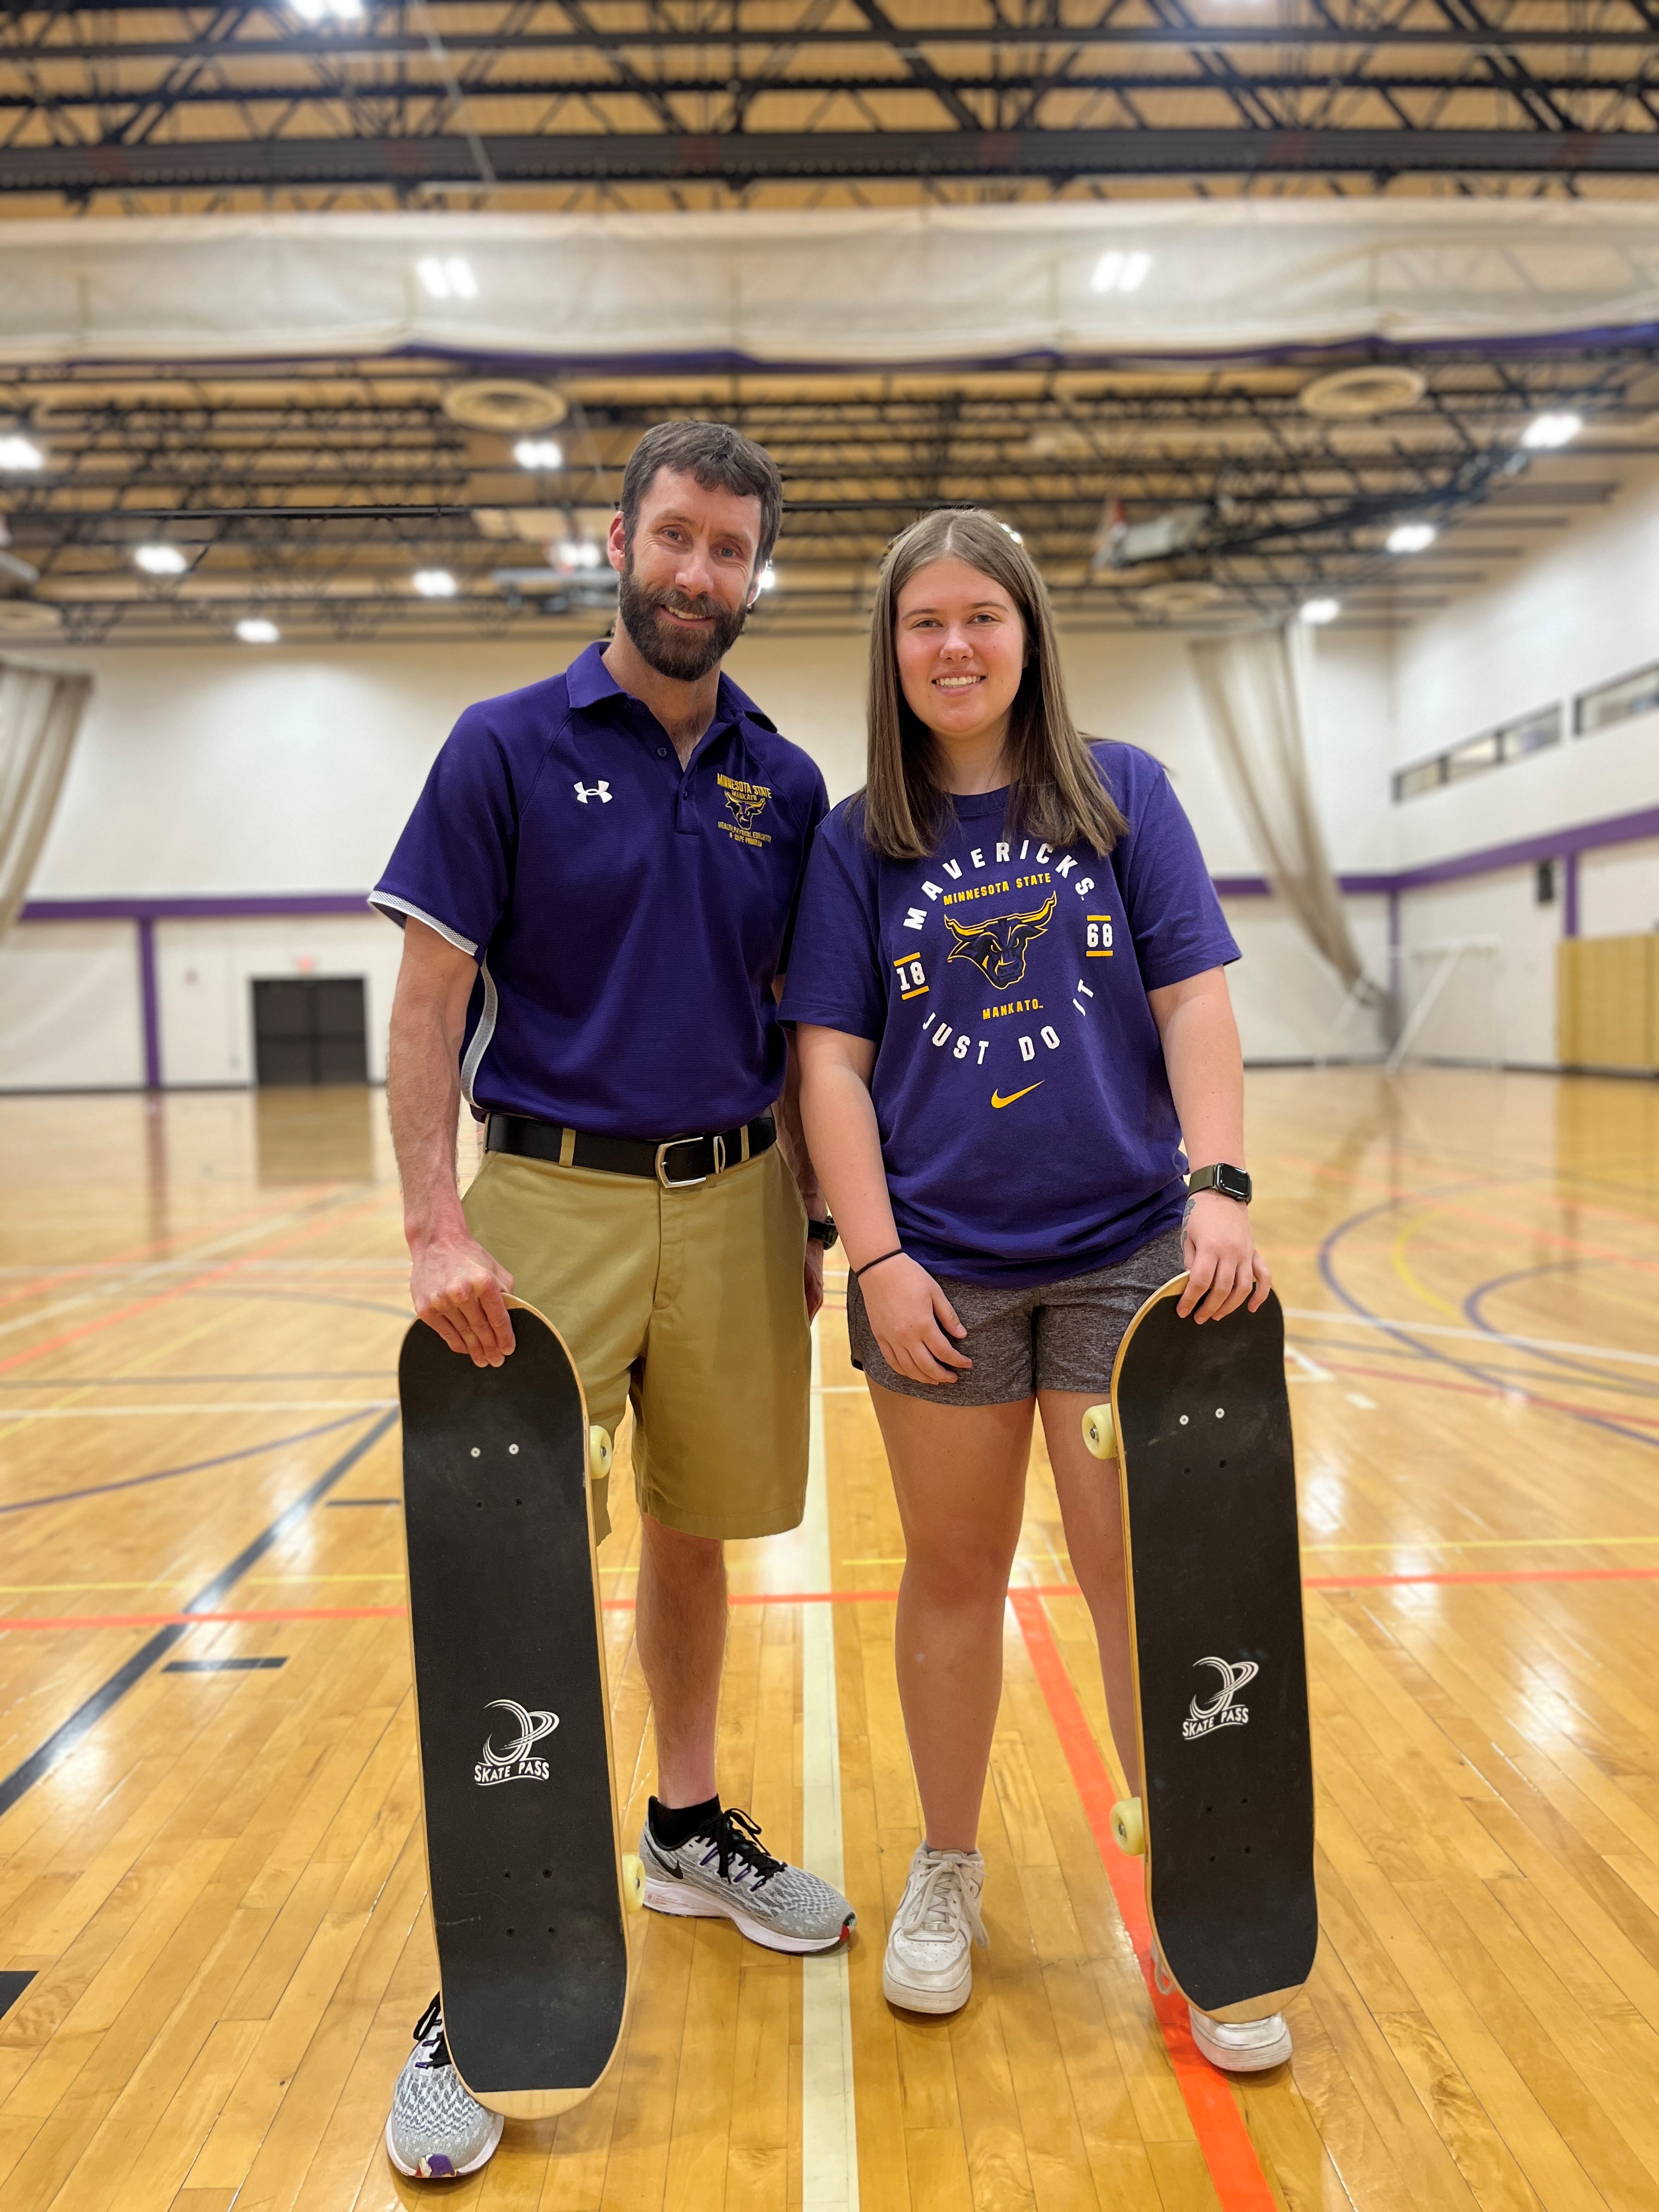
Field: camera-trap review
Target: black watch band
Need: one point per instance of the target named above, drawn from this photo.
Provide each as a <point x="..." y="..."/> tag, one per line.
<point x="823" y="1232"/>
<point x="1231" y="1183"/>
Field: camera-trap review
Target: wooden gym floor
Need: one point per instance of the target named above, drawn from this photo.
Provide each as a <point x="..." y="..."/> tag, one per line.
<point x="213" y="1942"/>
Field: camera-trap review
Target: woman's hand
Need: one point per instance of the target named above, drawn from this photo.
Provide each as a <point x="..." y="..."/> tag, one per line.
<point x="913" y="1321"/>
<point x="1222" y="1265"/>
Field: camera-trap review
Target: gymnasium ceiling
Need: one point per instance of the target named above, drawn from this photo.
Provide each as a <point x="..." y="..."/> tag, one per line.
<point x="311" y="494"/>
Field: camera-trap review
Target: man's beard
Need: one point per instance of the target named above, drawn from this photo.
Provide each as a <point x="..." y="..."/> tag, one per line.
<point x="685" y="655"/>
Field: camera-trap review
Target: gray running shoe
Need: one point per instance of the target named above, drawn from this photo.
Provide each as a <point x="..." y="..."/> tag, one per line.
<point x="728" y="1871"/>
<point x="437" y="2130"/>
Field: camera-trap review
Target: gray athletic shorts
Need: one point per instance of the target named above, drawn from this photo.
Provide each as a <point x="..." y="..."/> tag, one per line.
<point x="1047" y="1336"/>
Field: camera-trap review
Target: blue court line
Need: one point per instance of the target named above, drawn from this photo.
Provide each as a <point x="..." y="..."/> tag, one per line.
<point x="1572" y="1361"/>
<point x="193" y="1467"/>
<point x="209" y="1598"/>
<point x="1402" y="1335"/>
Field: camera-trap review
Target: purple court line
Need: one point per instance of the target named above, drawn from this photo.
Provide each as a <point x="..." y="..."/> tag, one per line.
<point x="195" y="1467"/>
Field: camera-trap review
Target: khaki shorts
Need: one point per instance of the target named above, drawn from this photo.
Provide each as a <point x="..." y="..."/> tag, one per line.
<point x="689" y="1304"/>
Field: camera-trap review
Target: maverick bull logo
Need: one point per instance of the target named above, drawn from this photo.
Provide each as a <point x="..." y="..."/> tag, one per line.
<point x="997" y="946"/>
<point x="744" y="802"/>
<point x="1221" y="1711"/>
<point x="514" y="1764"/>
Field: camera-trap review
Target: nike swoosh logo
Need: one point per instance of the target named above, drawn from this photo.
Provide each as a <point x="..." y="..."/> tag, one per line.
<point x="997" y="1098"/>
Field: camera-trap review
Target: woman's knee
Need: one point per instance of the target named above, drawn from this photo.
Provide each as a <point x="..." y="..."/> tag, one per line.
<point x="954" y="1572"/>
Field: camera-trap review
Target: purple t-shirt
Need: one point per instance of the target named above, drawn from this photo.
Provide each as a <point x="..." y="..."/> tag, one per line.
<point x="1026" y="1122"/>
<point x="628" y="916"/>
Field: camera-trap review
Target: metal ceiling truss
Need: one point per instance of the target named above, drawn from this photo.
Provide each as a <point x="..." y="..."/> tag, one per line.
<point x="315" y="493"/>
<point x="584" y="100"/>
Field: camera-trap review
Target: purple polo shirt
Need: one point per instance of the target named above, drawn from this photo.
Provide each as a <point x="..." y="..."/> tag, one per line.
<point x="1026" y="1123"/>
<point x="628" y="916"/>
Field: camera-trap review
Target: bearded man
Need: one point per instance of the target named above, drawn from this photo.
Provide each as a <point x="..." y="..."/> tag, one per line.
<point x="597" y="888"/>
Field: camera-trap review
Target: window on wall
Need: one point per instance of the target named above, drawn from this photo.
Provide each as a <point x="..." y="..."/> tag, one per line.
<point x="1511" y="741"/>
<point x="1616" y="702"/>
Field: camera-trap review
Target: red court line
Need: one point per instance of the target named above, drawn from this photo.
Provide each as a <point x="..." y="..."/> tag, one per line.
<point x="193" y="1283"/>
<point x="1481" y="1390"/>
<point x="1217" y="2122"/>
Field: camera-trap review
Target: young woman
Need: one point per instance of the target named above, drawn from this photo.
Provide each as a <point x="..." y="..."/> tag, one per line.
<point x="1007" y="982"/>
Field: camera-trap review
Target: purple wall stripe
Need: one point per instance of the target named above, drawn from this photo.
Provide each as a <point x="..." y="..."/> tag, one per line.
<point x="249" y="908"/>
<point x="151" y="999"/>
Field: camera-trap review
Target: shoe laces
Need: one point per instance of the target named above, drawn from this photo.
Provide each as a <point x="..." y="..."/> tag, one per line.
<point x="431" y="2044"/>
<point x="937" y="1900"/>
<point x="739" y="1852"/>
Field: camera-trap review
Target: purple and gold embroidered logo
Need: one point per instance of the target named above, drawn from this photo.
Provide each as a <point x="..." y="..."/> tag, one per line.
<point x="746" y="803"/>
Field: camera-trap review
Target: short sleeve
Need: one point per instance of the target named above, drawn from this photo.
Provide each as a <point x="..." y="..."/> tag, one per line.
<point x="1174" y="917"/>
<point x="818" y="805"/>
<point x="453" y="867"/>
<point x="834" y="977"/>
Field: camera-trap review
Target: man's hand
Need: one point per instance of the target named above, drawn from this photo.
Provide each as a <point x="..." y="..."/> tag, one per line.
<point x="914" y="1321"/>
<point x="814" y="1278"/>
<point x="1224" y="1266"/>
<point x="457" y="1289"/>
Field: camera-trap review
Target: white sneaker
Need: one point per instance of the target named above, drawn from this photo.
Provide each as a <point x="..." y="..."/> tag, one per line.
<point x="1241" y="2046"/>
<point x="928" y="1966"/>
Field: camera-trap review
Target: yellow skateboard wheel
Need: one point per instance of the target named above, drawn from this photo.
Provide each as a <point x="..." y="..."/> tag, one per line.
<point x="1128" y="1830"/>
<point x="598" y="1454"/>
<point x="1098" y="1433"/>
<point x="633" y="1874"/>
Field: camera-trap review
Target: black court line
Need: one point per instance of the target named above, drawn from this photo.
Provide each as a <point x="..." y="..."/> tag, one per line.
<point x="338" y="1502"/>
<point x="210" y="1598"/>
<point x="173" y="1382"/>
<point x="13" y="1982"/>
<point x="220" y="1666"/>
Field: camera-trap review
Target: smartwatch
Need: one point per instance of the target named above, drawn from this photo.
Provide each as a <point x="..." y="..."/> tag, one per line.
<point x="1231" y="1183"/>
<point x="823" y="1232"/>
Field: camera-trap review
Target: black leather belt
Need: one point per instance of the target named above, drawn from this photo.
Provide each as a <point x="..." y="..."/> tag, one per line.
<point x="676" y="1164"/>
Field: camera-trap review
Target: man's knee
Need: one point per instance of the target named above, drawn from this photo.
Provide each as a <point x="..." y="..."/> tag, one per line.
<point x="675" y="1555"/>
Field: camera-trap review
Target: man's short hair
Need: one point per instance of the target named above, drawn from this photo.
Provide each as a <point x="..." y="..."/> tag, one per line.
<point x="720" y="458"/>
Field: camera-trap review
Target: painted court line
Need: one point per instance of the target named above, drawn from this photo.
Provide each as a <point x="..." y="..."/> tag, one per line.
<point x="813" y="1599"/>
<point x="26" y="1414"/>
<point x="1488" y="1337"/>
<point x="830" y="2143"/>
<point x="1217" y="2122"/>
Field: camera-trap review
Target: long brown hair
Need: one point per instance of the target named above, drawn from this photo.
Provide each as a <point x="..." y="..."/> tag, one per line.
<point x="1055" y="790"/>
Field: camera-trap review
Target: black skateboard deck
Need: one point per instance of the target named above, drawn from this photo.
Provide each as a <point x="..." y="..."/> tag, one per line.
<point x="523" y="1858"/>
<point x="1200" y="1423"/>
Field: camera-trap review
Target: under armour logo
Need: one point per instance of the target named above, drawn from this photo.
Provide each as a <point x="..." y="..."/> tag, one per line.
<point x="601" y="791"/>
<point x="1221" y="1711"/>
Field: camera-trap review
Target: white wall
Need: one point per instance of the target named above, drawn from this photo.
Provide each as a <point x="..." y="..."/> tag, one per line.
<point x="205" y="972"/>
<point x="70" y="1013"/>
<point x="1618" y="890"/>
<point x="252" y="771"/>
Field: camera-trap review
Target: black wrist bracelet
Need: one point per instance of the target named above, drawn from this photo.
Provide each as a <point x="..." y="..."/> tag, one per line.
<point x="897" y="1253"/>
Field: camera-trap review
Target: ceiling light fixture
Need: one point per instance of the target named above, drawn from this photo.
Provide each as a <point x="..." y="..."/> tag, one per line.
<point x="254" y="629"/>
<point x="447" y="277"/>
<point x="435" y="584"/>
<point x="578" y="553"/>
<point x="1115" y="272"/>
<point x="160" y="560"/>
<point x="1412" y="536"/>
<point x="1318" y="611"/>
<point x="769" y="577"/>
<point x="1545" y="431"/>
<point x="538" y="454"/>
<point x="17" y="452"/>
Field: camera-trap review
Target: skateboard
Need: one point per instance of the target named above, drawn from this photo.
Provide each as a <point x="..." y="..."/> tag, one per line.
<point x="528" y="1880"/>
<point x="1199" y="1423"/>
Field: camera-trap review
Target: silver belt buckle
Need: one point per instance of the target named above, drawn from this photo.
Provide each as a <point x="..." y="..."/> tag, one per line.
<point x="684" y="1182"/>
